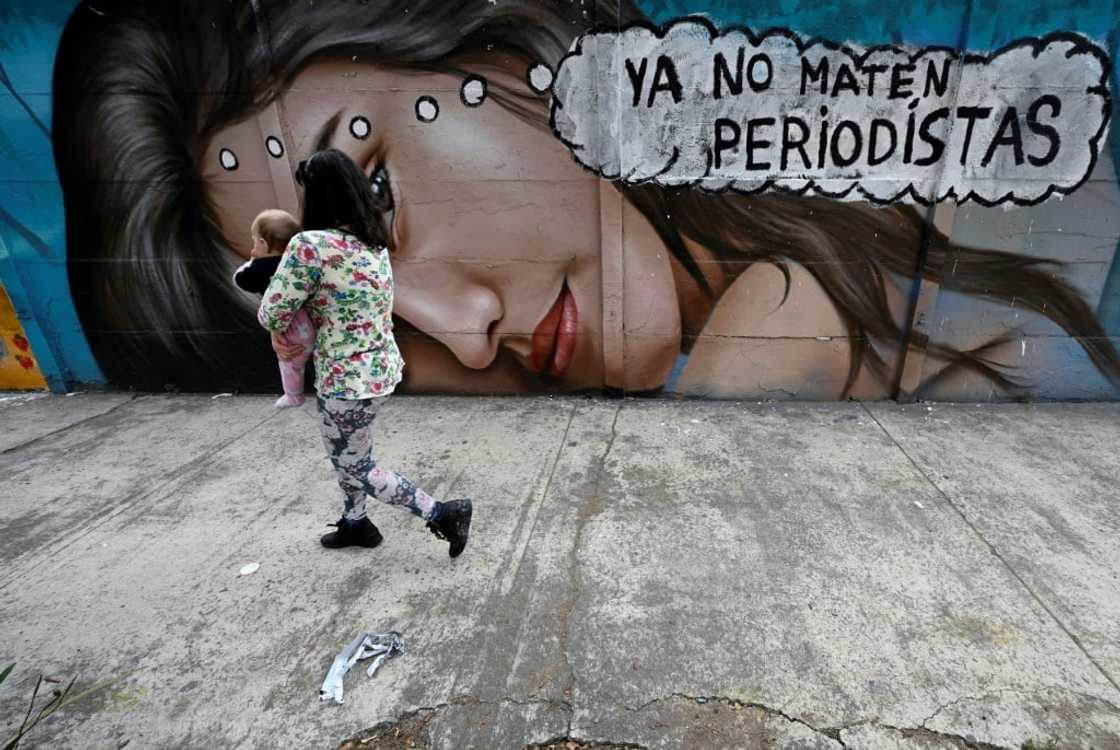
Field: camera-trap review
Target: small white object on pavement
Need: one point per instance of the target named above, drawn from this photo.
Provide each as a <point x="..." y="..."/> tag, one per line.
<point x="250" y="569"/>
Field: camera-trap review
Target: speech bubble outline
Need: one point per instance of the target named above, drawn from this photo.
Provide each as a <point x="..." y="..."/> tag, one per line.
<point x="1069" y="43"/>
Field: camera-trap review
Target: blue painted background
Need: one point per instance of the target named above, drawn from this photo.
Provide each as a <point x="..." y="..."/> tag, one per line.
<point x="32" y="227"/>
<point x="32" y="237"/>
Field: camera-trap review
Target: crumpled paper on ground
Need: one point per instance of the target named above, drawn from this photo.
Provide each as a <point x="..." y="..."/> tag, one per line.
<point x="380" y="646"/>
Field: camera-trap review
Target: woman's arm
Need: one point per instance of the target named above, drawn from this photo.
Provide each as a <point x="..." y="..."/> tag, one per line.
<point x="294" y="282"/>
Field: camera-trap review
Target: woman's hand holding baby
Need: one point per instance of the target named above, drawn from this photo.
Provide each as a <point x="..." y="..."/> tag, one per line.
<point x="283" y="349"/>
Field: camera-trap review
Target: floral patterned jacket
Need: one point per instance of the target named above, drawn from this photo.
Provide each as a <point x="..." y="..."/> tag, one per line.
<point x="347" y="289"/>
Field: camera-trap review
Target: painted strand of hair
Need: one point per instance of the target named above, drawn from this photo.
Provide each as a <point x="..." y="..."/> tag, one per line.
<point x="149" y="264"/>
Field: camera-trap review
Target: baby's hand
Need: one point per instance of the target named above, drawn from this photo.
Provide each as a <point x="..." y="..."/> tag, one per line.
<point x="283" y="349"/>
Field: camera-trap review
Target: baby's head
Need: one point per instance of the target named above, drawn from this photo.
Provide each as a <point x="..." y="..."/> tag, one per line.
<point x="271" y="232"/>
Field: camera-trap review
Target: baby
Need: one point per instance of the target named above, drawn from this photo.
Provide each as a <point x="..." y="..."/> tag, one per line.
<point x="271" y="232"/>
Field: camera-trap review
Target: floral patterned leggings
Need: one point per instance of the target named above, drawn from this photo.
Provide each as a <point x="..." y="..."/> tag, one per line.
<point x="346" y="435"/>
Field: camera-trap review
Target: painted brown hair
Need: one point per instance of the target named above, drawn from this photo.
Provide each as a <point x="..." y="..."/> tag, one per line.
<point x="141" y="88"/>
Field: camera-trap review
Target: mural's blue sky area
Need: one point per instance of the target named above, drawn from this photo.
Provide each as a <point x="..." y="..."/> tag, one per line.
<point x="992" y="23"/>
<point x="864" y="21"/>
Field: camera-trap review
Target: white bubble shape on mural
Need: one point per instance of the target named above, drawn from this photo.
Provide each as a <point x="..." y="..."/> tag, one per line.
<point x="427" y="109"/>
<point x="688" y="105"/>
<point x="275" y="146"/>
<point x="473" y="92"/>
<point x="227" y="159"/>
<point x="539" y="77"/>
<point x="360" y="128"/>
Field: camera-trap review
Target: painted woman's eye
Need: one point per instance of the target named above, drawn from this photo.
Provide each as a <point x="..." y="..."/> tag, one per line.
<point x="382" y="190"/>
<point x="383" y="196"/>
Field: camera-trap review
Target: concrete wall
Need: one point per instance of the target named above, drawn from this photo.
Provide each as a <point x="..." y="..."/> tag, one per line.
<point x="561" y="225"/>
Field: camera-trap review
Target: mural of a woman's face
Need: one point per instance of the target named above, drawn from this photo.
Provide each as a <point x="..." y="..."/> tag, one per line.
<point x="495" y="228"/>
<point x="518" y="271"/>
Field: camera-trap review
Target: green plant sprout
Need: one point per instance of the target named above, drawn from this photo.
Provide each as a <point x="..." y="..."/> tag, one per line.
<point x="60" y="698"/>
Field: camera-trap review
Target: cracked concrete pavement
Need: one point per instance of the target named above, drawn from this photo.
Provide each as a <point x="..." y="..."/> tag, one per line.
<point x="653" y="574"/>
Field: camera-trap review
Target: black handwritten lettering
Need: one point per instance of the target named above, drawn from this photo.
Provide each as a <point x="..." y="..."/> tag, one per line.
<point x="877" y="125"/>
<point x="1048" y="132"/>
<point x="939" y="85"/>
<point x="820" y="73"/>
<point x="665" y="78"/>
<point x="908" y="147"/>
<point x="822" y="148"/>
<point x="637" y="78"/>
<point x="789" y="144"/>
<point x="1009" y="134"/>
<point x="899" y="84"/>
<point x="722" y="73"/>
<point x="936" y="144"/>
<point x="845" y="81"/>
<point x="756" y="83"/>
<point x="871" y="71"/>
<point x="727" y="108"/>
<point x="857" y="144"/>
<point x="752" y="144"/>
<point x="723" y="142"/>
<point x="972" y="114"/>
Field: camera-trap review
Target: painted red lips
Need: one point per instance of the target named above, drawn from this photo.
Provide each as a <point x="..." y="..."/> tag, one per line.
<point x="554" y="339"/>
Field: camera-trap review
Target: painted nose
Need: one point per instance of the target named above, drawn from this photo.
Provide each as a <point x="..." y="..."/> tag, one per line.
<point x="460" y="313"/>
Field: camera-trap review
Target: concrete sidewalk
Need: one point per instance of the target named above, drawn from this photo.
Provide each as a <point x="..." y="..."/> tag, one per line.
<point x="647" y="573"/>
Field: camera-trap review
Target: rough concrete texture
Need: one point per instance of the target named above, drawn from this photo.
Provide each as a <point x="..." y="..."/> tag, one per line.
<point x="21" y="426"/>
<point x="645" y="574"/>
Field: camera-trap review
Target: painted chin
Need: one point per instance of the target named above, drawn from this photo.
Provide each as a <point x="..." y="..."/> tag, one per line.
<point x="556" y="336"/>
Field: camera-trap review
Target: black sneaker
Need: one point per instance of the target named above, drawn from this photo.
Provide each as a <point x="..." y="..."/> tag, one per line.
<point x="352" y="534"/>
<point x="453" y="525"/>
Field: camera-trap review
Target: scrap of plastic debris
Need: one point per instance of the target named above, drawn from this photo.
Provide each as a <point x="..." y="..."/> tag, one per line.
<point x="250" y="569"/>
<point x="220" y="395"/>
<point x="380" y="646"/>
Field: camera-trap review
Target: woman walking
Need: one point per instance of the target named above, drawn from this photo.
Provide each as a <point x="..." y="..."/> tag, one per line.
<point x="338" y="270"/>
